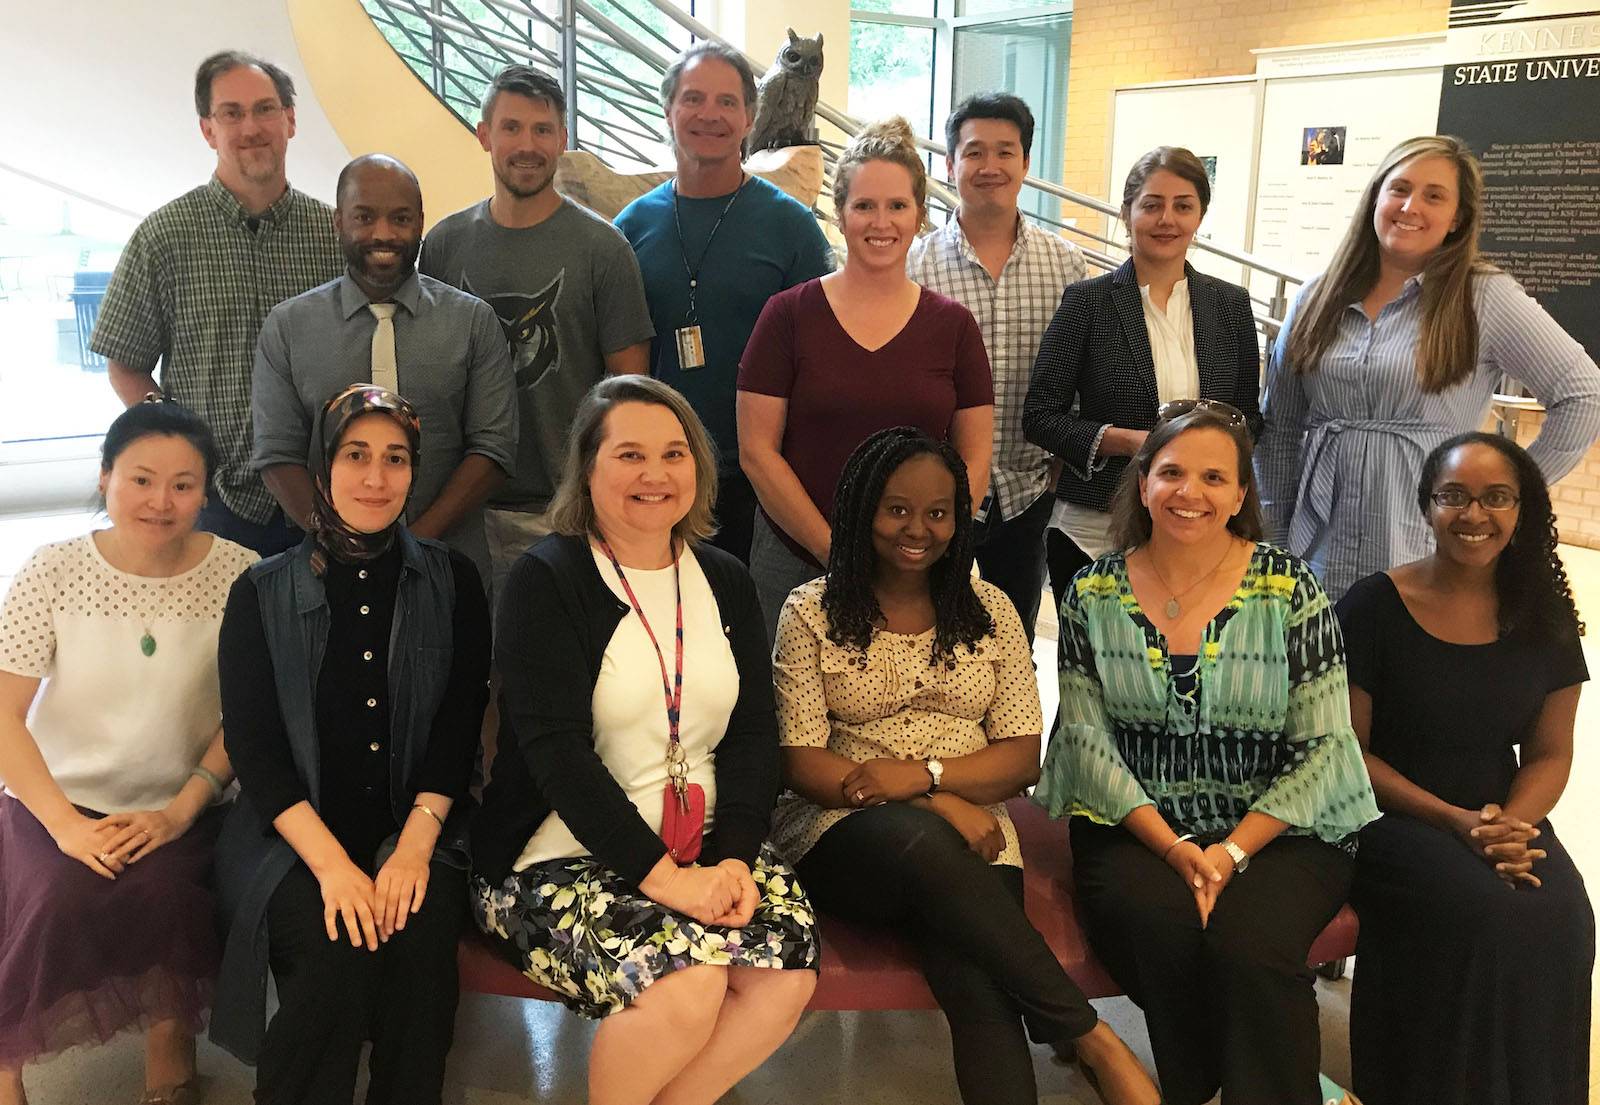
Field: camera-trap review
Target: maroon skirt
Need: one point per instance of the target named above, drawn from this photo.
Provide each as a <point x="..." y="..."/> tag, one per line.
<point x="83" y="957"/>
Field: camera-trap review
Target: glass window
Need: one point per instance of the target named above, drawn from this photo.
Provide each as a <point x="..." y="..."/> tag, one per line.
<point x="891" y="73"/>
<point x="1027" y="57"/>
<point x="897" y="7"/>
<point x="997" y="7"/>
<point x="57" y="253"/>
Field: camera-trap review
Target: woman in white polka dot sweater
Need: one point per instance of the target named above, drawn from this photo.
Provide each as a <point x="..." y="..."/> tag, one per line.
<point x="111" y="752"/>
<point x="908" y="714"/>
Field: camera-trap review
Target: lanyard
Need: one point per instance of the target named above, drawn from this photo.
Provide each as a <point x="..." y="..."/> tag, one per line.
<point x="677" y="766"/>
<point x="694" y="273"/>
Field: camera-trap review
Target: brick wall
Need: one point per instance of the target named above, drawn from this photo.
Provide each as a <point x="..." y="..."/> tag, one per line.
<point x="1116" y="43"/>
<point x="1577" y="497"/>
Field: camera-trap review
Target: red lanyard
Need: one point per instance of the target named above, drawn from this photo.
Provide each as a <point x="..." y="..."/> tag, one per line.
<point x="672" y="691"/>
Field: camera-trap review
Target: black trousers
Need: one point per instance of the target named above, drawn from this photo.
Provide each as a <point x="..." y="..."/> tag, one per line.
<point x="1231" y="1005"/>
<point x="990" y="970"/>
<point x="736" y="513"/>
<point x="332" y="997"/>
<point x="1011" y="556"/>
<point x="1064" y="558"/>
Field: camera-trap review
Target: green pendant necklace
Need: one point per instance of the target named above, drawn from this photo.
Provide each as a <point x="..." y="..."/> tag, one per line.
<point x="147" y="642"/>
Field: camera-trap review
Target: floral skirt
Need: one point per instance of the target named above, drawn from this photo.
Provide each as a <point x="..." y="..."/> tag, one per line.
<point x="577" y="928"/>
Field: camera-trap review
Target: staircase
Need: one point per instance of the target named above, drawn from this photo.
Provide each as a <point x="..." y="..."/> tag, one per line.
<point x="610" y="55"/>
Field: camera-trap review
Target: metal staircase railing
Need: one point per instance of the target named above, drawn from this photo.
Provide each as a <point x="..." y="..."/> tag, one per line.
<point x="611" y="54"/>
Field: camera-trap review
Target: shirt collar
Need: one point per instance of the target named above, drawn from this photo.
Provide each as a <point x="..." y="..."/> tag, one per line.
<point x="352" y="300"/>
<point x="230" y="205"/>
<point x="958" y="240"/>
<point x="1412" y="286"/>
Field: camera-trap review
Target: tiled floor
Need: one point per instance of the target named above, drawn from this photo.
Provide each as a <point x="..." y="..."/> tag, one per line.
<point x="510" y="1051"/>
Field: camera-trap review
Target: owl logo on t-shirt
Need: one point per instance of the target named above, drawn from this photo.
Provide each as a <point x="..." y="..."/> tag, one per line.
<point x="530" y="325"/>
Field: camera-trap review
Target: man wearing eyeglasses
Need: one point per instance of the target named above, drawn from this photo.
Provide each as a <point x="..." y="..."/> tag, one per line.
<point x="199" y="275"/>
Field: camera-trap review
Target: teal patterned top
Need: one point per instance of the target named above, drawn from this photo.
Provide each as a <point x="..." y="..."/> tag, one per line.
<point x="1265" y="727"/>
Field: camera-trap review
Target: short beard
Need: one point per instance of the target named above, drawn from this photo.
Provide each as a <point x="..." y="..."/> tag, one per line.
<point x="525" y="193"/>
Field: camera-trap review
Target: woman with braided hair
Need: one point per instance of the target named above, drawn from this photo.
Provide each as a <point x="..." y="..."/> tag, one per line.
<point x="908" y="714"/>
<point x="1467" y="899"/>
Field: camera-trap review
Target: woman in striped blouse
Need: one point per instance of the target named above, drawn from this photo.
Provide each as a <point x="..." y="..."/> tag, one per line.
<point x="1398" y="346"/>
<point x="1205" y="748"/>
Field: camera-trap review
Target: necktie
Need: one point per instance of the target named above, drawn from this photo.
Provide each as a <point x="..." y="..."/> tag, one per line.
<point x="384" y="372"/>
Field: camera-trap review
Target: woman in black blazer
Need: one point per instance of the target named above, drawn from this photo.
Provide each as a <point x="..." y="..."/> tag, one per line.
<point x="1124" y="344"/>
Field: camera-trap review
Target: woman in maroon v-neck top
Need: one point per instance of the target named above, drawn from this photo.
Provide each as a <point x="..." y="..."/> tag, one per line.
<point x="834" y="360"/>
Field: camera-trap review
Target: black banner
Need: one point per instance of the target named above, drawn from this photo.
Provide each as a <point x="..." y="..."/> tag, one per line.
<point x="1529" y="106"/>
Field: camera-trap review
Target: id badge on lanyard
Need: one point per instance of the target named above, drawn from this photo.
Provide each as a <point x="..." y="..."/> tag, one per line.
<point x="691" y="346"/>
<point x="689" y="337"/>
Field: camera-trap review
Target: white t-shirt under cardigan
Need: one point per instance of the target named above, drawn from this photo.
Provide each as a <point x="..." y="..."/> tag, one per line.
<point x="630" y="715"/>
<point x="119" y="730"/>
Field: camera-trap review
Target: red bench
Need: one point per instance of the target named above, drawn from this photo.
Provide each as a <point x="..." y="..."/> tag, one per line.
<point x="867" y="968"/>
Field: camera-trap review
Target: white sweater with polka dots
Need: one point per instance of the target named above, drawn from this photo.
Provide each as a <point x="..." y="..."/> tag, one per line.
<point x="120" y="720"/>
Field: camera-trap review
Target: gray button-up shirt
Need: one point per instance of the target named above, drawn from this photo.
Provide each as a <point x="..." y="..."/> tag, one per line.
<point x="453" y="366"/>
<point x="190" y="292"/>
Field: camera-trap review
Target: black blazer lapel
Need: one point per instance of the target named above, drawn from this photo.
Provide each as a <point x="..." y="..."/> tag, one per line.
<point x="1129" y="304"/>
<point x="1216" y="382"/>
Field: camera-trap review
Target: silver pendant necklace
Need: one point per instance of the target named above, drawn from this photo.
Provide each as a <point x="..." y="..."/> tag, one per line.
<point x="1174" y="608"/>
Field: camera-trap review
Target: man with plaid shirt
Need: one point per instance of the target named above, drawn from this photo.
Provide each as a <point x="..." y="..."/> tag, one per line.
<point x="200" y="274"/>
<point x="1010" y="275"/>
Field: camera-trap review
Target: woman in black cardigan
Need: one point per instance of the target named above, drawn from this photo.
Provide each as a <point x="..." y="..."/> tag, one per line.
<point x="621" y="854"/>
<point x="1123" y="344"/>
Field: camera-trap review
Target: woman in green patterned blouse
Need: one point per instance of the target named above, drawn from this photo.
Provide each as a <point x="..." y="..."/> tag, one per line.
<point x="1205" y="729"/>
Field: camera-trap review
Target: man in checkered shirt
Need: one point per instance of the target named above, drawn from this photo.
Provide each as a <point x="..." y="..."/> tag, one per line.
<point x="200" y="274"/>
<point x="1010" y="274"/>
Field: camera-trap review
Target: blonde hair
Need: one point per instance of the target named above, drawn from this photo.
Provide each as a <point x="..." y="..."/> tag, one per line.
<point x="890" y="140"/>
<point x="572" y="510"/>
<point x="1447" y="348"/>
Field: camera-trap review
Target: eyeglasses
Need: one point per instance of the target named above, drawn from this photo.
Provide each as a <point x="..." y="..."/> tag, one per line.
<point x="1179" y="407"/>
<point x="1456" y="498"/>
<point x="232" y="115"/>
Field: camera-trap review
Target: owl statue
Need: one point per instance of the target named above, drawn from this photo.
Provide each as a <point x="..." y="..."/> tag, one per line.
<point x="787" y="96"/>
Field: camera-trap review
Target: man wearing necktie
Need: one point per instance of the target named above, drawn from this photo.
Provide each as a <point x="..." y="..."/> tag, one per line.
<point x="382" y="321"/>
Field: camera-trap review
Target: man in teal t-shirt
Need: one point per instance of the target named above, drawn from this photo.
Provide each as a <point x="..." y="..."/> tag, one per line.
<point x="713" y="245"/>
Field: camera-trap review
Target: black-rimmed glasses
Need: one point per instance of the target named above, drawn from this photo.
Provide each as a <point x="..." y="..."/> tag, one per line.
<point x="1457" y="498"/>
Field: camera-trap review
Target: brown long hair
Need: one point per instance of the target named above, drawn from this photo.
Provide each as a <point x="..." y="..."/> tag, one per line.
<point x="1447" y="349"/>
<point x="571" y="511"/>
<point x="1130" y="518"/>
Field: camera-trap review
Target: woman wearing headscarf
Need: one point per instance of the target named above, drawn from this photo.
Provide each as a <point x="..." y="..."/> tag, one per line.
<point x="353" y="673"/>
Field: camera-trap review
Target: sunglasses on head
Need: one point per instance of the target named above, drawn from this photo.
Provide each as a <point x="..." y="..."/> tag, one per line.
<point x="1180" y="407"/>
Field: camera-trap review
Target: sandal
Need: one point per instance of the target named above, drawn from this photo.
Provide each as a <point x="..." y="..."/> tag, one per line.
<point x="184" y="1093"/>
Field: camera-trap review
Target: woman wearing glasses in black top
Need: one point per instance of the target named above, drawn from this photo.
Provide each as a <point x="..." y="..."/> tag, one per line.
<point x="1477" y="936"/>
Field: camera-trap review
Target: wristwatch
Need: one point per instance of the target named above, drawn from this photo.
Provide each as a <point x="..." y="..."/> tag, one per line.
<point x="935" y="772"/>
<point x="1240" y="857"/>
